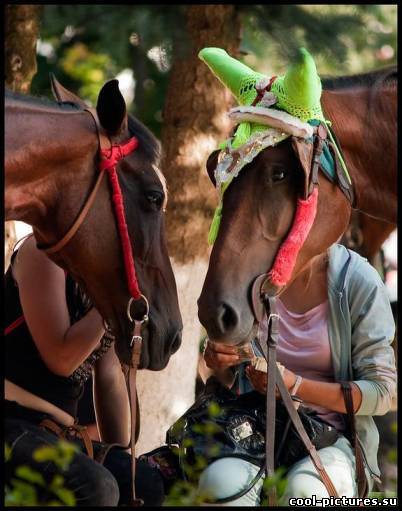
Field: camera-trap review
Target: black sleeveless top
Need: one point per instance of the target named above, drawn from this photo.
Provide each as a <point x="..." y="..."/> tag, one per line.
<point x="24" y="365"/>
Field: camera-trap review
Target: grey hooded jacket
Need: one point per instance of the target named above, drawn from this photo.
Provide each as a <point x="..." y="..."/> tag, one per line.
<point x="361" y="329"/>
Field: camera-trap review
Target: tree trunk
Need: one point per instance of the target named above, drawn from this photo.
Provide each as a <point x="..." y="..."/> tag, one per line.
<point x="194" y="123"/>
<point x="21" y="34"/>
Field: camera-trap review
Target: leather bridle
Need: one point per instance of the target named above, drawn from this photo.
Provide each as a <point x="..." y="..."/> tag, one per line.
<point x="111" y="154"/>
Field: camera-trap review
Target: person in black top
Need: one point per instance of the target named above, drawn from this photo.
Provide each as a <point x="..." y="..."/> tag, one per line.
<point x="55" y="339"/>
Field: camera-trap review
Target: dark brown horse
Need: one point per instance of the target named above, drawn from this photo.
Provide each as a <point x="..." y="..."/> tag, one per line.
<point x="259" y="205"/>
<point x="51" y="166"/>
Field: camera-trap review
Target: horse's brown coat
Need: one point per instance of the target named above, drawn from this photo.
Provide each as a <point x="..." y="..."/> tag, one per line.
<point x="51" y="166"/>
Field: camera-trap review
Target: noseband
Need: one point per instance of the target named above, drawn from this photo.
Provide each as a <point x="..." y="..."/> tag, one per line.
<point x="110" y="155"/>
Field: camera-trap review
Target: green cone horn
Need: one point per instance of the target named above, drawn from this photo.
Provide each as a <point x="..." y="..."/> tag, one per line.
<point x="234" y="75"/>
<point x="299" y="91"/>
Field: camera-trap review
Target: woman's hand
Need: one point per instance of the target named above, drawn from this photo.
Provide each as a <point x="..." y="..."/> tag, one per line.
<point x="220" y="356"/>
<point x="258" y="379"/>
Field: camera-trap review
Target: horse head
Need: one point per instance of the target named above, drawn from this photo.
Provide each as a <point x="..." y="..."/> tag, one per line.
<point x="276" y="212"/>
<point x="94" y="254"/>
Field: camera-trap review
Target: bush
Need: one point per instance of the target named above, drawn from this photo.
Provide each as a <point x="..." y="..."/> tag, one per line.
<point x="28" y="486"/>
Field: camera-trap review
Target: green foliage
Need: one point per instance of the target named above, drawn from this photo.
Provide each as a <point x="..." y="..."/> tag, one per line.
<point x="60" y="454"/>
<point x="279" y="481"/>
<point x="29" y="488"/>
<point x="343" y="39"/>
<point x="91" y="69"/>
<point x="89" y="44"/>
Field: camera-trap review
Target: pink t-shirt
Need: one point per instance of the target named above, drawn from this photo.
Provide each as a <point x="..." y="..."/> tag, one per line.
<point x="304" y="348"/>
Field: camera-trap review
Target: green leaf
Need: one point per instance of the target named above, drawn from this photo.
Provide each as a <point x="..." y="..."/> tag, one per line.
<point x="61" y="453"/>
<point x="45" y="453"/>
<point x="56" y="483"/>
<point x="24" y="494"/>
<point x="7" y="452"/>
<point x="66" y="496"/>
<point x="198" y="428"/>
<point x="214" y="409"/>
<point x="27" y="473"/>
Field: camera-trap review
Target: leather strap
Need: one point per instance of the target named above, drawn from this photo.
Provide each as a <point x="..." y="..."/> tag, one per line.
<point x="130" y="373"/>
<point x="318" y="147"/>
<point x="275" y="380"/>
<point x="295" y="418"/>
<point x="76" y="429"/>
<point x="79" y="220"/>
<point x="104" y="143"/>
<point x="361" y="480"/>
<point x="272" y="340"/>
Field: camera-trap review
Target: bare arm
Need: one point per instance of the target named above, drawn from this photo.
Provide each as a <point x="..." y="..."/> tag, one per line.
<point x="111" y="400"/>
<point x="327" y="395"/>
<point x="41" y="283"/>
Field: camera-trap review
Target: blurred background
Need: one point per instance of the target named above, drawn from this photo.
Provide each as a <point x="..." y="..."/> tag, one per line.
<point x="152" y="50"/>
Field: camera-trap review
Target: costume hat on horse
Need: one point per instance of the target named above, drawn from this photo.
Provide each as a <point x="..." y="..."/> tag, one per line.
<point x="297" y="113"/>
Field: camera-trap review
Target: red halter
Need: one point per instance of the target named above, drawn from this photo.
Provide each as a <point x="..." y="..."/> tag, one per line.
<point x="110" y="158"/>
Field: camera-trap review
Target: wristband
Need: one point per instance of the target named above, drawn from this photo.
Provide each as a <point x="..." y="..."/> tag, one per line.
<point x="296" y="386"/>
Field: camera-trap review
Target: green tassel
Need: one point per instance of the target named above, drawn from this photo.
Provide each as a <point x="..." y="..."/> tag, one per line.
<point x="213" y="230"/>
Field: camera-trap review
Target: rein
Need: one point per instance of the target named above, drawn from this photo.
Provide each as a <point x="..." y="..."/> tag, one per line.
<point x="275" y="381"/>
<point x="110" y="155"/>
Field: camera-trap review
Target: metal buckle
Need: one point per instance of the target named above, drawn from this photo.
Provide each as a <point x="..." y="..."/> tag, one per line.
<point x="135" y="338"/>
<point x="273" y="316"/>
<point x="146" y="315"/>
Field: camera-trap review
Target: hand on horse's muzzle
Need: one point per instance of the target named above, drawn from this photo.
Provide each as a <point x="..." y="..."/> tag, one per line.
<point x="220" y="356"/>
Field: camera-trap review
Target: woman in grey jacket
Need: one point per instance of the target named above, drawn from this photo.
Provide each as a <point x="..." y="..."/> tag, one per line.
<point x="336" y="325"/>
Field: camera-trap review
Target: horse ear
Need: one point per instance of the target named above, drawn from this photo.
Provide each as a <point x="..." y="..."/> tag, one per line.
<point x="62" y="94"/>
<point x="111" y="108"/>
<point x="211" y="164"/>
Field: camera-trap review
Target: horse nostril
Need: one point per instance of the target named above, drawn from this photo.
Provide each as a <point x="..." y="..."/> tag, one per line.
<point x="228" y="318"/>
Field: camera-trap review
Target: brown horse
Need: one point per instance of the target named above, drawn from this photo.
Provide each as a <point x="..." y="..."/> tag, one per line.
<point x="51" y="165"/>
<point x="259" y="206"/>
<point x="366" y="236"/>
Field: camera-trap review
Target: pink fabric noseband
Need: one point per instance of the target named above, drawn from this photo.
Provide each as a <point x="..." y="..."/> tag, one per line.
<point x="285" y="259"/>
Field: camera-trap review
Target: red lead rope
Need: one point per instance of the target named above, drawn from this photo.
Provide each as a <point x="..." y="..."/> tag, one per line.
<point x="110" y="158"/>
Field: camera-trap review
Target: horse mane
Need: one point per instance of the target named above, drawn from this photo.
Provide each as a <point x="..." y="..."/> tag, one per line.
<point x="40" y="101"/>
<point x="372" y="79"/>
<point x="375" y="82"/>
<point x="148" y="142"/>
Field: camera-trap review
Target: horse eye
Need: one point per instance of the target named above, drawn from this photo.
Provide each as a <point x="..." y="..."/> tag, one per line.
<point x="155" y="198"/>
<point x="278" y="175"/>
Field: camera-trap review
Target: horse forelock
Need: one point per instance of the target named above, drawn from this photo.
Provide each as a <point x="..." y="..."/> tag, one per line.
<point x="151" y="148"/>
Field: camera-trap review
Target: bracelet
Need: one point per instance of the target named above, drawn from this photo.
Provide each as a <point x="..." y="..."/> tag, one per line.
<point x="296" y="386"/>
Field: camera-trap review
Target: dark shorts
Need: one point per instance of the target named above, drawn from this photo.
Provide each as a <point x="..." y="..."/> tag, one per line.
<point x="93" y="484"/>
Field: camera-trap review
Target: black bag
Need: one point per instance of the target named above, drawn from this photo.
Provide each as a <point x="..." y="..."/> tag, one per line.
<point x="221" y="424"/>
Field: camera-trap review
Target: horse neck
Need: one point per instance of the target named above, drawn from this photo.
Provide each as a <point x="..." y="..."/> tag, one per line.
<point x="44" y="149"/>
<point x="365" y="124"/>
